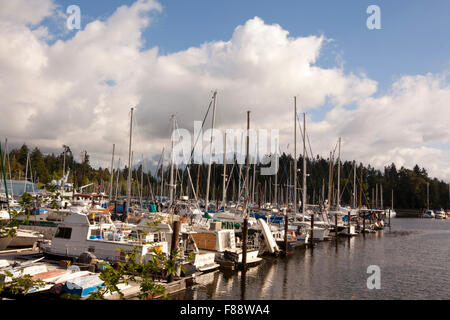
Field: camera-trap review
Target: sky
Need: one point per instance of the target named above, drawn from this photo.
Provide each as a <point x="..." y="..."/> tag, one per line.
<point x="386" y="91"/>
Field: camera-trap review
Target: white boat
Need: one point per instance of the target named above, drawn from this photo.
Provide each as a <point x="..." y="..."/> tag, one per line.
<point x="4" y="242"/>
<point x="390" y="212"/>
<point x="76" y="235"/>
<point x="429" y="214"/>
<point x="25" y="238"/>
<point x="440" y="214"/>
<point x="319" y="232"/>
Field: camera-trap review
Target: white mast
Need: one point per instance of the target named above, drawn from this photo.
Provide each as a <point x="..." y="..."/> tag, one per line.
<point x="304" y="167"/>
<point x="142" y="179"/>
<point x="339" y="176"/>
<point x="26" y="175"/>
<point x="129" y="164"/>
<point x="224" y="192"/>
<point x="295" y="157"/>
<point x="112" y="173"/>
<point x="171" y="186"/>
<point x="210" y="151"/>
<point x="354" y="184"/>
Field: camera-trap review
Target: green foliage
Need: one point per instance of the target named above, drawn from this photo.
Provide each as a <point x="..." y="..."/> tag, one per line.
<point x="19" y="286"/>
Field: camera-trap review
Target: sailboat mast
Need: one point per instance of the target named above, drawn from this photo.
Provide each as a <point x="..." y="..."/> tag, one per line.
<point x="162" y="173"/>
<point x="330" y="179"/>
<point x="339" y="176"/>
<point x="26" y="175"/>
<point x="210" y="151"/>
<point x="224" y="192"/>
<point x="295" y="157"/>
<point x="142" y="179"/>
<point x="112" y="173"/>
<point x="354" y="184"/>
<point x="4" y="177"/>
<point x="171" y="186"/>
<point x="304" y="168"/>
<point x="129" y="164"/>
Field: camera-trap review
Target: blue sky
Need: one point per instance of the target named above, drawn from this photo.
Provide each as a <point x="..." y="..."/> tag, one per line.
<point x="384" y="92"/>
<point x="415" y="35"/>
<point x="414" y="39"/>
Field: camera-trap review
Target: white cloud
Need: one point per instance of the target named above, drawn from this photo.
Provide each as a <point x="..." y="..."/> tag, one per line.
<point x="25" y="11"/>
<point x="79" y="91"/>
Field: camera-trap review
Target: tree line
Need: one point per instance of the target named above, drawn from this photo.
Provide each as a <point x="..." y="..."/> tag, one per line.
<point x="409" y="186"/>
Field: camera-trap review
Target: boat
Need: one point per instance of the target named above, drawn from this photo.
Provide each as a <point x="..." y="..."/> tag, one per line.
<point x="440" y="214"/>
<point x="4" y="242"/>
<point x="25" y="238"/>
<point x="428" y="214"/>
<point x="390" y="212"/>
<point x="77" y="234"/>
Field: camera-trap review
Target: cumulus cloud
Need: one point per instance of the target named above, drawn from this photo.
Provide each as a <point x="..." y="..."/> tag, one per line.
<point x="79" y="91"/>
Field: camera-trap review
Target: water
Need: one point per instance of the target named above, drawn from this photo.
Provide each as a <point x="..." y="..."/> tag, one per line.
<point x="413" y="255"/>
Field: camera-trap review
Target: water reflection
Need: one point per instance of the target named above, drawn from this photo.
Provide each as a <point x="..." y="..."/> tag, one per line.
<point x="413" y="256"/>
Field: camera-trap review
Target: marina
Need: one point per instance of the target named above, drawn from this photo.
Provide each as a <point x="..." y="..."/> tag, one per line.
<point x="227" y="150"/>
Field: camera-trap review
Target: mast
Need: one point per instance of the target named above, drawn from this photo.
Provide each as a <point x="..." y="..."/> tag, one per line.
<point x="354" y="184"/>
<point x="142" y="179"/>
<point x="26" y="176"/>
<point x="338" y="202"/>
<point x="247" y="182"/>
<point x="162" y="174"/>
<point x="64" y="163"/>
<point x="360" y="189"/>
<point x="304" y="167"/>
<point x="276" y="188"/>
<point x="210" y="151"/>
<point x="295" y="157"/>
<point x="171" y="185"/>
<point x="253" y="184"/>
<point x="129" y="164"/>
<point x="198" y="177"/>
<point x="4" y="177"/>
<point x="428" y="196"/>
<point x="330" y="179"/>
<point x="224" y="191"/>
<point x="112" y="174"/>
<point x="392" y="200"/>
<point x="381" y="196"/>
<point x="117" y="179"/>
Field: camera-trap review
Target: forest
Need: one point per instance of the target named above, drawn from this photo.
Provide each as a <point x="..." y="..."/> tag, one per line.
<point x="408" y="186"/>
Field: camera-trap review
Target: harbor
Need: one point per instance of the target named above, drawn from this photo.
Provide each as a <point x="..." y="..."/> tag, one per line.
<point x="153" y="150"/>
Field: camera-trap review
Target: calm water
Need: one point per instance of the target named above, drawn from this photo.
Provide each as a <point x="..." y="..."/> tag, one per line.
<point x="413" y="255"/>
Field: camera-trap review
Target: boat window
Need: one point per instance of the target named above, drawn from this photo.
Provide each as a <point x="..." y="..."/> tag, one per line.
<point x="63" y="233"/>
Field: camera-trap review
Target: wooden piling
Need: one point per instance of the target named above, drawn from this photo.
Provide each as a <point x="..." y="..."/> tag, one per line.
<point x="286" y="225"/>
<point x="364" y="223"/>
<point x="174" y="244"/>
<point x="336" y="225"/>
<point x="311" y="241"/>
<point x="348" y="217"/>
<point x="389" y="218"/>
<point x="244" y="242"/>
